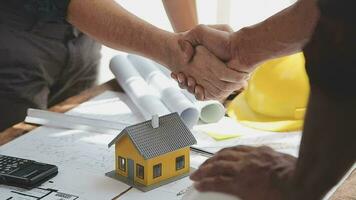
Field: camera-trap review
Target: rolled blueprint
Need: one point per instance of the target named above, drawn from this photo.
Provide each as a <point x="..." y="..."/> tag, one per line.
<point x="170" y="94"/>
<point x="210" y="111"/>
<point x="145" y="98"/>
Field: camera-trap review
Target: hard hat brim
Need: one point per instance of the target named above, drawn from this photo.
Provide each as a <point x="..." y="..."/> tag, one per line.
<point x="241" y="111"/>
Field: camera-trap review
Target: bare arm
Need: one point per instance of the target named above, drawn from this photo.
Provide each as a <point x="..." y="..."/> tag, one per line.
<point x="182" y="14"/>
<point x="282" y="34"/>
<point x="112" y="25"/>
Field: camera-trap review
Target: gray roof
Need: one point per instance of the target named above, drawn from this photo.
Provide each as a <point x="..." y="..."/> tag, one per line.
<point x="172" y="134"/>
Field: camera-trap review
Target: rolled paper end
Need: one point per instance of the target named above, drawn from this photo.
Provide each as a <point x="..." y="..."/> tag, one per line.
<point x="212" y="112"/>
<point x="190" y="117"/>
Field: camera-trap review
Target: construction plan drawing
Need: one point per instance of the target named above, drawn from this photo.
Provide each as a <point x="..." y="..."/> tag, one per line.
<point x="34" y="194"/>
<point x="83" y="157"/>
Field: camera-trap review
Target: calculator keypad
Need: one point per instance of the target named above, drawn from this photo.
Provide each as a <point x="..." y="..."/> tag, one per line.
<point x="11" y="164"/>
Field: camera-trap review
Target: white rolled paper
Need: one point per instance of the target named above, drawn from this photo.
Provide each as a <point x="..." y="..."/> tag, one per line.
<point x="145" y="98"/>
<point x="170" y="94"/>
<point x="210" y="111"/>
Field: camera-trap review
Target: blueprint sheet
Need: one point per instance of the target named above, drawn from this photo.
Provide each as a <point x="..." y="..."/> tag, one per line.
<point x="83" y="157"/>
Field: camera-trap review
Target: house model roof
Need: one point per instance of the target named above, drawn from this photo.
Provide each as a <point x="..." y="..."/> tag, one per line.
<point x="172" y="134"/>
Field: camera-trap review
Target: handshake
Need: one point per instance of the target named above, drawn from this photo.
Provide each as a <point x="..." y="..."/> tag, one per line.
<point x="208" y="62"/>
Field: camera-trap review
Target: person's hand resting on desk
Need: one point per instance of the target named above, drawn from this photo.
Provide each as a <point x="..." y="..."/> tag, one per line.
<point x="249" y="173"/>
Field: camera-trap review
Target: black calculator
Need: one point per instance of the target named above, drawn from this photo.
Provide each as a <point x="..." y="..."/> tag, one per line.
<point x="24" y="173"/>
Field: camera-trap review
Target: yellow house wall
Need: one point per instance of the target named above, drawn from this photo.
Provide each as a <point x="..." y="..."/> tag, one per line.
<point x="168" y="162"/>
<point x="126" y="149"/>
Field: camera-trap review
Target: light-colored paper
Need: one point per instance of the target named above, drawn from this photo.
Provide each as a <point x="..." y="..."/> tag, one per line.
<point x="146" y="99"/>
<point x="192" y="194"/>
<point x="219" y="136"/>
<point x="83" y="157"/>
<point x="65" y="121"/>
<point x="210" y="111"/>
<point x="287" y="142"/>
<point x="170" y="95"/>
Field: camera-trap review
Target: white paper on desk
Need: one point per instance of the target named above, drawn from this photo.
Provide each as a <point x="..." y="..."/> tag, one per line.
<point x="210" y="111"/>
<point x="169" y="93"/>
<point x="83" y="157"/>
<point x="283" y="142"/>
<point x="146" y="99"/>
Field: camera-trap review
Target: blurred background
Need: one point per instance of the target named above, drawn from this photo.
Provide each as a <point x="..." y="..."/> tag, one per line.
<point x="236" y="13"/>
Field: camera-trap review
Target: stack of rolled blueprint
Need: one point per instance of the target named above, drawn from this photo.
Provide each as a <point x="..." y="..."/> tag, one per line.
<point x="150" y="87"/>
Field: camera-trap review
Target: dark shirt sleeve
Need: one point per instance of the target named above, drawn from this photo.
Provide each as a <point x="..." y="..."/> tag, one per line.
<point x="339" y="9"/>
<point x="331" y="53"/>
<point x="52" y="10"/>
<point x="62" y="7"/>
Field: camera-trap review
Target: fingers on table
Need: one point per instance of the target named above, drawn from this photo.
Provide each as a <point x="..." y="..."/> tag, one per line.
<point x="218" y="168"/>
<point x="222" y="184"/>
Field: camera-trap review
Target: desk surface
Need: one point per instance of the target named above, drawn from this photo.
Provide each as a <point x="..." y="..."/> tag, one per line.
<point x="347" y="191"/>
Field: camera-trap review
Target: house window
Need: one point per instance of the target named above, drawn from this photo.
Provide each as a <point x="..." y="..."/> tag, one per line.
<point x="180" y="162"/>
<point x="122" y="164"/>
<point x="140" y="171"/>
<point x="157" y="170"/>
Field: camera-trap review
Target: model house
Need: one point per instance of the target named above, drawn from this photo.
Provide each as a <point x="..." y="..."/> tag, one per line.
<point x="154" y="152"/>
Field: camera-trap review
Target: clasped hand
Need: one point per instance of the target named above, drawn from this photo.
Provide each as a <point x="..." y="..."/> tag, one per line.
<point x="218" y="70"/>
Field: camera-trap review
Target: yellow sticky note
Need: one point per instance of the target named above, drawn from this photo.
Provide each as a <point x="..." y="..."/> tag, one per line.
<point x="222" y="136"/>
<point x="275" y="126"/>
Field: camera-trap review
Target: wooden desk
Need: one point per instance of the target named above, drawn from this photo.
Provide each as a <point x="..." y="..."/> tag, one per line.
<point x="346" y="192"/>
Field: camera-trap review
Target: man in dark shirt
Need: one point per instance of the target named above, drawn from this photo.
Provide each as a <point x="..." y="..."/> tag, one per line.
<point x="43" y="59"/>
<point x="326" y="32"/>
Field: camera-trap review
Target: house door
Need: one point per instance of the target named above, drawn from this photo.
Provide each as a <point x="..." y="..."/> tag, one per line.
<point x="130" y="167"/>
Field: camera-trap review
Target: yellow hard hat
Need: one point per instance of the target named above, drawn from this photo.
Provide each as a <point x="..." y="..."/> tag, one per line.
<point x="276" y="97"/>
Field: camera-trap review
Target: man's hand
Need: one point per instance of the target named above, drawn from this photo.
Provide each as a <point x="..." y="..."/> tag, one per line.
<point x="246" y="172"/>
<point x="217" y="39"/>
<point x="210" y="73"/>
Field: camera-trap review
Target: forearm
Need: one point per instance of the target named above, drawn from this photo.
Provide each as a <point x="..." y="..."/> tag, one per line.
<point x="112" y="25"/>
<point x="182" y="14"/>
<point x="282" y="34"/>
<point x="328" y="145"/>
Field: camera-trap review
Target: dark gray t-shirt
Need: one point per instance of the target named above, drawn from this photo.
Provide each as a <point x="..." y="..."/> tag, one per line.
<point x="339" y="9"/>
<point x="49" y="10"/>
<point x="330" y="54"/>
